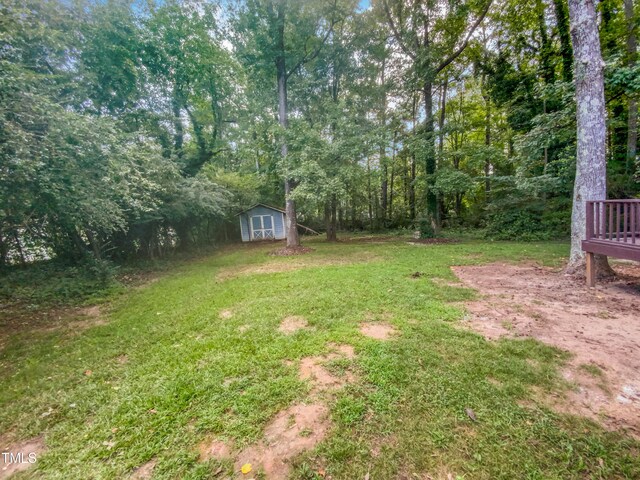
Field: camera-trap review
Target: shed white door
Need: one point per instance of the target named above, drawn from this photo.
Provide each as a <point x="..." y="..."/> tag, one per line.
<point x="262" y="227"/>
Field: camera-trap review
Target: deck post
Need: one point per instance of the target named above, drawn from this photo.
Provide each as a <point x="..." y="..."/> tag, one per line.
<point x="591" y="270"/>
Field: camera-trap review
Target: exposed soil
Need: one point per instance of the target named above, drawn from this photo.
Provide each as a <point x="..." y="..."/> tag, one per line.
<point x="600" y="327"/>
<point x="292" y="324"/>
<point x="322" y="380"/>
<point x="377" y="331"/>
<point x="290" y="251"/>
<point x="215" y="449"/>
<point x="370" y="239"/>
<point x="292" y="431"/>
<point x="144" y="471"/>
<point x="8" y="468"/>
<point x="226" y="314"/>
<point x="280" y="266"/>
<point x="431" y="241"/>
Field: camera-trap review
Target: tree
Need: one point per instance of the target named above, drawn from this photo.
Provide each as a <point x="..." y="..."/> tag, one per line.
<point x="432" y="36"/>
<point x="632" y="115"/>
<point x="591" y="165"/>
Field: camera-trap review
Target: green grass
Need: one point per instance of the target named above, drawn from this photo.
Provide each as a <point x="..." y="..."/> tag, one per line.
<point x="191" y="375"/>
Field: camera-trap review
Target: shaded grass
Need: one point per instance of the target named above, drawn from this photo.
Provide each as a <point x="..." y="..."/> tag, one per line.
<point x="190" y="374"/>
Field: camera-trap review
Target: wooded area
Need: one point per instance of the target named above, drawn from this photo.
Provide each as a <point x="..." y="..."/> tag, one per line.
<point x="131" y="129"/>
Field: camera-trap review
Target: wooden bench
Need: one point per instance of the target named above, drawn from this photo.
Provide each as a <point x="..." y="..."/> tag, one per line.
<point x="613" y="229"/>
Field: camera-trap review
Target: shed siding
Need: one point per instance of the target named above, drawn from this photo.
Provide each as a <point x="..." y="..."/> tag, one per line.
<point x="278" y="222"/>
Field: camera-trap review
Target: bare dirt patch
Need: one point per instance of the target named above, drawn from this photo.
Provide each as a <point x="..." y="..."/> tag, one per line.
<point x="600" y="327"/>
<point x="280" y="265"/>
<point x="32" y="446"/>
<point x="370" y="239"/>
<point x="378" y="331"/>
<point x="225" y="314"/>
<point x="290" y="251"/>
<point x="345" y="350"/>
<point x="292" y="324"/>
<point x="322" y="379"/>
<point x="294" y="430"/>
<point x="431" y="241"/>
<point x="215" y="449"/>
<point x="144" y="471"/>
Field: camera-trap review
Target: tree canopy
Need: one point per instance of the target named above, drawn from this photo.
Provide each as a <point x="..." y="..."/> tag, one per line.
<point x="131" y="129"/>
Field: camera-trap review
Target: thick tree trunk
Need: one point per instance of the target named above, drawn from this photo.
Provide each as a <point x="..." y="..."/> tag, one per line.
<point x="591" y="166"/>
<point x="291" y="223"/>
<point x="632" y="117"/>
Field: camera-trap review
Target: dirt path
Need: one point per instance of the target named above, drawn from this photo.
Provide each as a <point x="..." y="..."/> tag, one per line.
<point x="600" y="327"/>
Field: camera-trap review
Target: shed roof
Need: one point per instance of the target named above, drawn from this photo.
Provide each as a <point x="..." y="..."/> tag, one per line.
<point x="260" y="205"/>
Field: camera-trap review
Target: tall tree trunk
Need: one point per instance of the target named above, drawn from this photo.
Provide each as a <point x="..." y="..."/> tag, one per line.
<point x="443" y="116"/>
<point x="201" y="142"/>
<point x="546" y="48"/>
<point x="291" y="223"/>
<point x="178" y="135"/>
<point x="330" y="213"/>
<point x="16" y="239"/>
<point x="412" y="177"/>
<point x="430" y="157"/>
<point x="632" y="117"/>
<point x="4" y="251"/>
<point x="369" y="193"/>
<point x="393" y="162"/>
<point x="566" y="51"/>
<point x="487" y="142"/>
<point x="591" y="166"/>
<point x="383" y="148"/>
<point x="331" y="218"/>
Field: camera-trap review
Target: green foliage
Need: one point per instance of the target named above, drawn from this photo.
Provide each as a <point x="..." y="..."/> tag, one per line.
<point x="425" y="227"/>
<point x="53" y="283"/>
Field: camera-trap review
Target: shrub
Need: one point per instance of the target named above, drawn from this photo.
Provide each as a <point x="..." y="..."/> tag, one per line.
<point x="425" y="226"/>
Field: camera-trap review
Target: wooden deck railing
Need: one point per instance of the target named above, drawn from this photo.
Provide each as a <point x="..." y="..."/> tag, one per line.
<point x="614" y="220"/>
<point x="613" y="229"/>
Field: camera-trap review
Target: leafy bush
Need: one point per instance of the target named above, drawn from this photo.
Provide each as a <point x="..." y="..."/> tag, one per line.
<point x="425" y="226"/>
<point x="57" y="283"/>
<point x="529" y="218"/>
<point x="516" y="225"/>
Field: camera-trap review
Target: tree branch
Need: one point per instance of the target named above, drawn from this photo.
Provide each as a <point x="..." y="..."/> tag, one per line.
<point x="395" y="31"/>
<point x="308" y="57"/>
<point x="457" y="53"/>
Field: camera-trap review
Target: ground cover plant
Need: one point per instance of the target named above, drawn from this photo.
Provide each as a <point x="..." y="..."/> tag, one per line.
<point x="200" y="357"/>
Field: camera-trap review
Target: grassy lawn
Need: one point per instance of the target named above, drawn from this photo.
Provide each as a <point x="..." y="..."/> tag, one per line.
<point x="198" y="355"/>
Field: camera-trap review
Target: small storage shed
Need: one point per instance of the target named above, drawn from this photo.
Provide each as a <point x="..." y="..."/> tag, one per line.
<point x="262" y="222"/>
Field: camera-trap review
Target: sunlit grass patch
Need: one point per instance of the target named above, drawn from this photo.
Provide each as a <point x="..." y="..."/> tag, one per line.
<point x="207" y="359"/>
